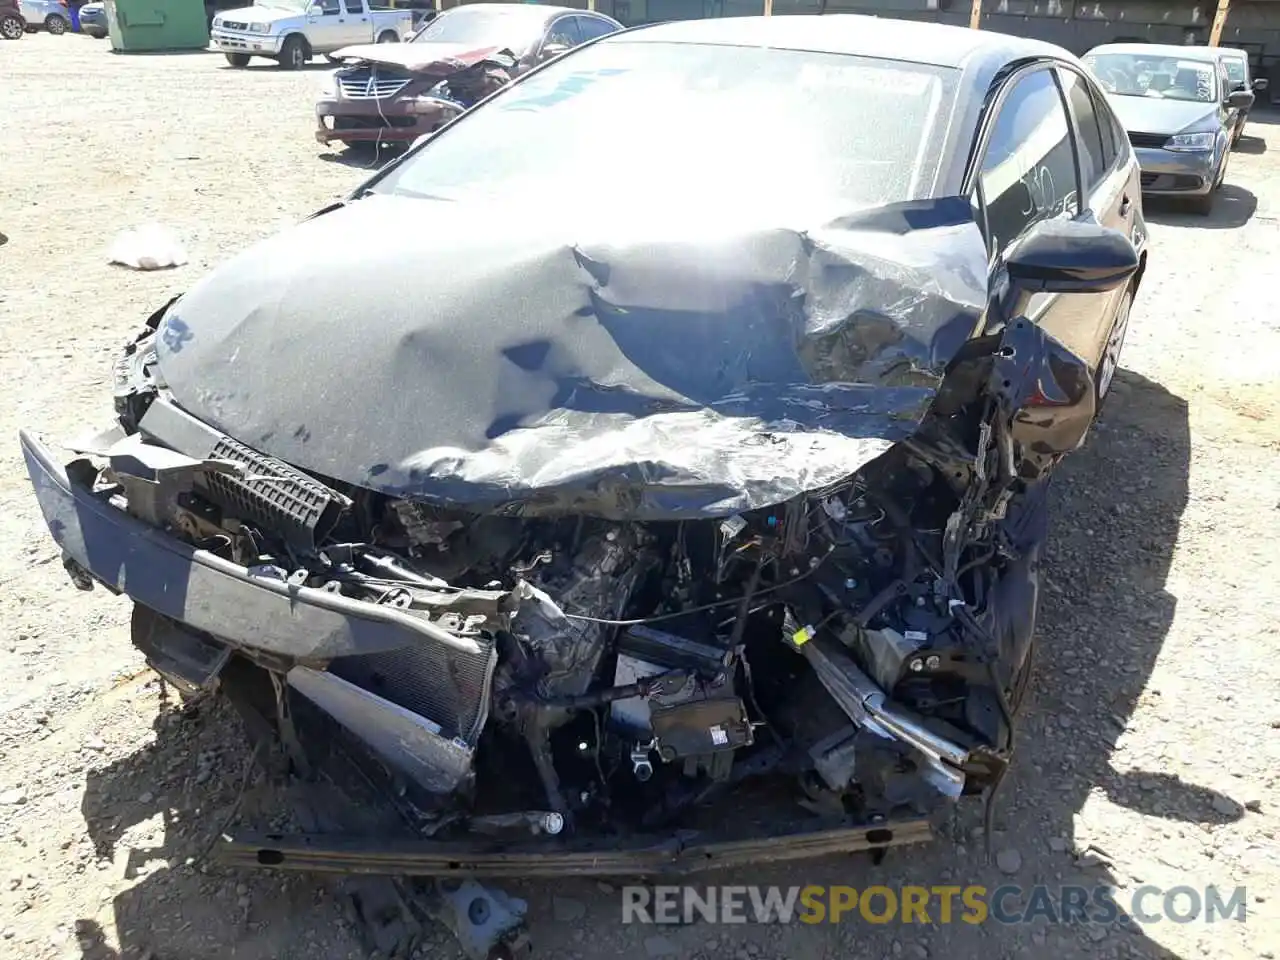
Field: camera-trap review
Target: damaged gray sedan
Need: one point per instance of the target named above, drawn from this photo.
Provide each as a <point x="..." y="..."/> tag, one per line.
<point x="649" y="471"/>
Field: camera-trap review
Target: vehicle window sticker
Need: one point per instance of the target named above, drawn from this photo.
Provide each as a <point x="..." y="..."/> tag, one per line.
<point x="1204" y="77"/>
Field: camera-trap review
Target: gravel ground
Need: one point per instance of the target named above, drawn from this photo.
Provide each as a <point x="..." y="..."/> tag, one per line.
<point x="1148" y="754"/>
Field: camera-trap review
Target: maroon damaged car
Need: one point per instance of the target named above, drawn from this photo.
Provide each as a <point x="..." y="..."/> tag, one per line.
<point x="399" y="92"/>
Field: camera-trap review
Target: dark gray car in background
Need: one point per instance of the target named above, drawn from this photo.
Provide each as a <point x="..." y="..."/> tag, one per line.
<point x="1180" y="113"/>
<point x="1239" y="77"/>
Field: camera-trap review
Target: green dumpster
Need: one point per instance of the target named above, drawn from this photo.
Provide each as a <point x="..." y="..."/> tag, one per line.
<point x="135" y="25"/>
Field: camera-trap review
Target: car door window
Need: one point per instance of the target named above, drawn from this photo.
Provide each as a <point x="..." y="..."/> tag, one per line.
<point x="353" y="7"/>
<point x="592" y="27"/>
<point x="1109" y="128"/>
<point x="1093" y="159"/>
<point x="564" y="32"/>
<point x="1237" y="74"/>
<point x="328" y="7"/>
<point x="1028" y="171"/>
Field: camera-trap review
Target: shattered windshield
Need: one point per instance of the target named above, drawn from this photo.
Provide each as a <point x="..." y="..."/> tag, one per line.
<point x="708" y="123"/>
<point x="1148" y="75"/>
<point x="515" y="29"/>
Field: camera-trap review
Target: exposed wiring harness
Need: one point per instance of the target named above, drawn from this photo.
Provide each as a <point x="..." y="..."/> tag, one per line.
<point x="814" y="564"/>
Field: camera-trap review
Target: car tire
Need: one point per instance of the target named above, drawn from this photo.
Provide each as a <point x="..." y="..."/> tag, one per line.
<point x="1203" y="204"/>
<point x="238" y="59"/>
<point x="12" y="27"/>
<point x="56" y="25"/>
<point x="1109" y="363"/>
<point x="388" y="36"/>
<point x="294" y="53"/>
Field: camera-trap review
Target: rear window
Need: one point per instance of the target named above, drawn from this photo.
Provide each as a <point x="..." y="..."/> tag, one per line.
<point x="678" y="119"/>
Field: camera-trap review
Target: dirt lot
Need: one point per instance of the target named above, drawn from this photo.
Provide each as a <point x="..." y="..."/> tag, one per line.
<point x="1150" y="751"/>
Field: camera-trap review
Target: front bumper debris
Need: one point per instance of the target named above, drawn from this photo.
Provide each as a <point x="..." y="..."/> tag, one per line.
<point x="369" y="121"/>
<point x="204" y="591"/>
<point x="631" y="857"/>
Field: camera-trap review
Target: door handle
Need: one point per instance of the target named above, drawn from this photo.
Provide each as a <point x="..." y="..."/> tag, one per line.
<point x="1126" y="206"/>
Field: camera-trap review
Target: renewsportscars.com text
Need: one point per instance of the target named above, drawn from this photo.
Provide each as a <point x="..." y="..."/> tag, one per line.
<point x="943" y="904"/>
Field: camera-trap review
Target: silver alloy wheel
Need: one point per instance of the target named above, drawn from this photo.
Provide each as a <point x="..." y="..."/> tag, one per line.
<point x="55" y="24"/>
<point x="11" y="28"/>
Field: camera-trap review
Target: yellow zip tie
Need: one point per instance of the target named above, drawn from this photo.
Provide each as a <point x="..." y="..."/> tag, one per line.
<point x="802" y="636"/>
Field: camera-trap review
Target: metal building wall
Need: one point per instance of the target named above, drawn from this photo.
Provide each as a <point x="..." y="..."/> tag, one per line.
<point x="1253" y="25"/>
<point x="1075" y="24"/>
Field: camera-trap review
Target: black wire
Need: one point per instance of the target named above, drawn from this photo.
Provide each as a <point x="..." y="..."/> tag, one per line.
<point x="699" y="609"/>
<point x="740" y="624"/>
<point x="755" y="704"/>
<point x="595" y="718"/>
<point x="989" y="809"/>
<point x="988" y="812"/>
<point x="1003" y="702"/>
<point x="975" y="562"/>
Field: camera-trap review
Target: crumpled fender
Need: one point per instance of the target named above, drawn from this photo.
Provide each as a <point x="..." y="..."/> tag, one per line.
<point x="1048" y="394"/>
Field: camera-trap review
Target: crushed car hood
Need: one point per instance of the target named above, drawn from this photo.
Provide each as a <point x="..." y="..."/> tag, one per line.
<point x="581" y="362"/>
<point x="432" y="58"/>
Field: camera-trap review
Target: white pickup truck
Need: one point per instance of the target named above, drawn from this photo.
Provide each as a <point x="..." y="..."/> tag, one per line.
<point x="291" y="32"/>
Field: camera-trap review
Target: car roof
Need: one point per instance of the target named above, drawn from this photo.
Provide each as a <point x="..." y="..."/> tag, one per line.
<point x="530" y="9"/>
<point x="1160" y="50"/>
<point x="912" y="41"/>
<point x="1221" y="53"/>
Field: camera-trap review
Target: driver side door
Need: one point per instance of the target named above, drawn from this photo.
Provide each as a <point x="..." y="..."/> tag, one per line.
<point x="1027" y="174"/>
<point x="326" y="21"/>
<point x="356" y="26"/>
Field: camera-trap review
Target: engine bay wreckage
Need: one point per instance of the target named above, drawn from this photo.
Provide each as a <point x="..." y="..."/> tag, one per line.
<point x="594" y="557"/>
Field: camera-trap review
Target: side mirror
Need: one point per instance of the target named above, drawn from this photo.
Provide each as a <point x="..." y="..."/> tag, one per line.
<point x="1238" y="99"/>
<point x="1261" y="84"/>
<point x="1071" y="256"/>
<point x="315" y="10"/>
